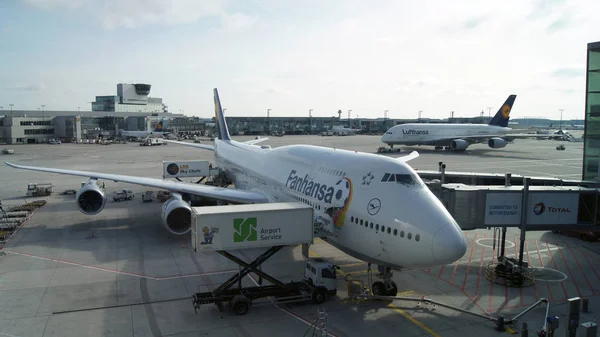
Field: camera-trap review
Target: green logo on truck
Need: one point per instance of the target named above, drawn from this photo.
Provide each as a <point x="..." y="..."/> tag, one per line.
<point x="244" y="230"/>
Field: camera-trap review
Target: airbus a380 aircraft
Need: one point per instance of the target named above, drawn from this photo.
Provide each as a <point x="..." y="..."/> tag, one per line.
<point x="378" y="207"/>
<point x="457" y="137"/>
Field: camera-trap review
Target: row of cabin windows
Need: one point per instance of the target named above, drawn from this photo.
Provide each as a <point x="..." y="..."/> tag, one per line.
<point x="306" y="201"/>
<point x="323" y="169"/>
<point x="389" y="230"/>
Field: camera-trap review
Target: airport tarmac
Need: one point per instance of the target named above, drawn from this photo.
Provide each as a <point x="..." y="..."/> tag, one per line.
<point x="120" y="273"/>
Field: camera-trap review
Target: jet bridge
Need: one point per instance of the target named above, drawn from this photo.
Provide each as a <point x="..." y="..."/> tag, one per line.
<point x="544" y="207"/>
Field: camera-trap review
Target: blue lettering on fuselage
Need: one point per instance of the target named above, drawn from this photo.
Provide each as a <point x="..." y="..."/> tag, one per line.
<point x="414" y="132"/>
<point x="309" y="188"/>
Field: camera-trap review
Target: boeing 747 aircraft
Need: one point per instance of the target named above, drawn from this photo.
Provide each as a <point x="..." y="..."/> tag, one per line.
<point x="378" y="208"/>
<point x="457" y="137"/>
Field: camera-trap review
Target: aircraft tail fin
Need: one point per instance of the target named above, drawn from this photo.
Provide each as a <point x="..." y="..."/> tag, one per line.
<point x="220" y="118"/>
<point x="549" y="126"/>
<point x="159" y="127"/>
<point x="503" y="114"/>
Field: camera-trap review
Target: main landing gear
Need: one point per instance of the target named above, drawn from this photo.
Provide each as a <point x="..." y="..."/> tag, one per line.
<point x="385" y="287"/>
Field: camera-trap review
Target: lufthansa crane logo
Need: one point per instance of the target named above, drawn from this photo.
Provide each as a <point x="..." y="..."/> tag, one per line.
<point x="505" y="111"/>
<point x="374" y="206"/>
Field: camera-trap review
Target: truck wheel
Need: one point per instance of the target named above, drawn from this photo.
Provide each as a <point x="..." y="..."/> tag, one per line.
<point x="240" y="305"/>
<point x="114" y="199"/>
<point x="319" y="296"/>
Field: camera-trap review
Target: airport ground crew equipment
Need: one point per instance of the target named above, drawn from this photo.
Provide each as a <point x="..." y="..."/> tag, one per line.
<point x="319" y="282"/>
<point x="358" y="291"/>
<point x="148" y="196"/>
<point x="271" y="226"/>
<point x="39" y="189"/>
<point x="122" y="195"/>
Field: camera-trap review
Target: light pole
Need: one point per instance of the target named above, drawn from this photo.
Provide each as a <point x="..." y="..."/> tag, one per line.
<point x="561" y="112"/>
<point x="420" y="112"/>
<point x="78" y="109"/>
<point x="43" y="106"/>
<point x="349" y="112"/>
<point x="385" y="114"/>
<point x="11" y="106"/>
<point x="268" y="119"/>
<point x="489" y="111"/>
<point x="310" y="120"/>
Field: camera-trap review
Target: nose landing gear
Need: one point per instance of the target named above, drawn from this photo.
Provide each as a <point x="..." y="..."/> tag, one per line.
<point x="385" y="287"/>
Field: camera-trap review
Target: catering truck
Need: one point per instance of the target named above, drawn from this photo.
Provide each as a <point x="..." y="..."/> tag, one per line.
<point x="269" y="225"/>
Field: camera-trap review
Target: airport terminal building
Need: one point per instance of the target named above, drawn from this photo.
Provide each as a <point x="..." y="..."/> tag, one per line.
<point x="591" y="147"/>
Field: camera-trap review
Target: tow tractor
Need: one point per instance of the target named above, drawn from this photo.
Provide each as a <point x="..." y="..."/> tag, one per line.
<point x="383" y="149"/>
<point x="269" y="225"/>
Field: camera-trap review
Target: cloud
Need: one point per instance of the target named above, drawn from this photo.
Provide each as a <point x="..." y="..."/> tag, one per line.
<point x="558" y="24"/>
<point x="136" y="13"/>
<point x="568" y="72"/>
<point x="237" y="21"/>
<point x="391" y="39"/>
<point x="473" y="23"/>
<point x="543" y="8"/>
<point x="51" y="4"/>
<point x="28" y="87"/>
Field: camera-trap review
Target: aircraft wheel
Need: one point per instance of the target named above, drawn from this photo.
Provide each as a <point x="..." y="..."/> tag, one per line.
<point x="378" y="289"/>
<point x="393" y="291"/>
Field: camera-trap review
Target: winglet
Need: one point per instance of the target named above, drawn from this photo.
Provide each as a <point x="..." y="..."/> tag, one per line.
<point x="220" y="118"/>
<point x="408" y="157"/>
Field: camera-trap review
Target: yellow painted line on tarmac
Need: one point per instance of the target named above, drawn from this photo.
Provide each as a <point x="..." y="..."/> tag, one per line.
<point x="352" y="264"/>
<point x="391" y="306"/>
<point x="414" y="320"/>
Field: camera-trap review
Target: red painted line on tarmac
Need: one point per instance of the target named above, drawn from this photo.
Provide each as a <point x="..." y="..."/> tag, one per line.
<point x="23" y="223"/>
<point x="440" y="273"/>
<point x="579" y="266"/>
<point x="542" y="264"/>
<point x="491" y="295"/>
<point x="480" y="270"/>
<point x="120" y="272"/>
<point x="591" y="265"/>
<point x="468" y="264"/>
<point x="556" y="267"/>
<point x="569" y="269"/>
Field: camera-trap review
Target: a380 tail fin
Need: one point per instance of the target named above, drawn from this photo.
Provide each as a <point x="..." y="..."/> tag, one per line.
<point x="503" y="114"/>
<point x="220" y="118"/>
<point x="159" y="127"/>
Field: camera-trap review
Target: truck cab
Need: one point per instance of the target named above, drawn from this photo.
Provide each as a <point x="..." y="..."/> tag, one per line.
<point x="320" y="273"/>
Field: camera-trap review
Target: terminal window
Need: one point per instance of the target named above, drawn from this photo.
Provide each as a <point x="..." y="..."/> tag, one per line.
<point x="591" y="154"/>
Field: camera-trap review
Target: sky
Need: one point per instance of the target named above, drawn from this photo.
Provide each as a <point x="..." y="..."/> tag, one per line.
<point x="433" y="56"/>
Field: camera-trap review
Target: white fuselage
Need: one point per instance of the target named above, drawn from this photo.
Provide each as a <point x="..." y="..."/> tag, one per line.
<point x="401" y="225"/>
<point x="437" y="134"/>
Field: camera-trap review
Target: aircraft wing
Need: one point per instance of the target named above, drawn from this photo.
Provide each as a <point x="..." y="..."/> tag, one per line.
<point x="255" y="141"/>
<point x="200" y="146"/>
<point x="222" y="193"/>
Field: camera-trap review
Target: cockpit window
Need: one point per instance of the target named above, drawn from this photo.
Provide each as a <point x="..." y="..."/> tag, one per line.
<point x="405" y="179"/>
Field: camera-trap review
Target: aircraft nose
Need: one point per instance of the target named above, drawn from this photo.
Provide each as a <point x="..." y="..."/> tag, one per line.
<point x="449" y="244"/>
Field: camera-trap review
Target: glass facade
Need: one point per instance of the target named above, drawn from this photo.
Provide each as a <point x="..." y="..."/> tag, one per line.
<point x="591" y="146"/>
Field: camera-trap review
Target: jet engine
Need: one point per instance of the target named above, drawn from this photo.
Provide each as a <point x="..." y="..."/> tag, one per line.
<point x="459" y="145"/>
<point x="177" y="215"/>
<point x="90" y="199"/>
<point x="496" y="143"/>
